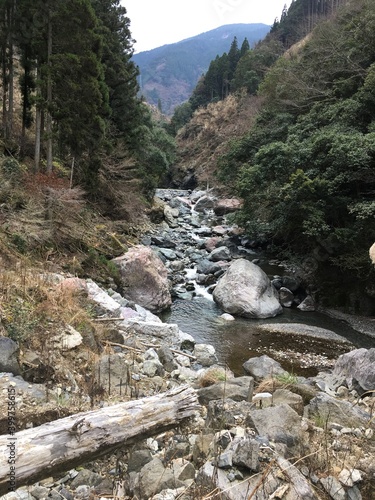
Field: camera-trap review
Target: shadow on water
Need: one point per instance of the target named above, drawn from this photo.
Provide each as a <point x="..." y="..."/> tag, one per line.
<point x="237" y="341"/>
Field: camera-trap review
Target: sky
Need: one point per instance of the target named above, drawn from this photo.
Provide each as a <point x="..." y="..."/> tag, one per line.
<point x="154" y="23"/>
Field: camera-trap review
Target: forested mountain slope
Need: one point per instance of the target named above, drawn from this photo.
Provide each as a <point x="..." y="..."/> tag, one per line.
<point x="305" y="164"/>
<point x="168" y="74"/>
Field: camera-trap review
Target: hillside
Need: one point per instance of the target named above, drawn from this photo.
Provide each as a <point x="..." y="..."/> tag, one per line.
<point x="170" y="72"/>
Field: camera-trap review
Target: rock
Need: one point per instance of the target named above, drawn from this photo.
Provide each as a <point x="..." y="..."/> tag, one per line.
<point x="236" y="389"/>
<point x="167" y="359"/>
<point x="170" y="215"/>
<point x="372" y="253"/>
<point x="286" y="297"/>
<point x="227" y="317"/>
<point x="263" y="367"/>
<point x="102" y="298"/>
<point x="226" y="205"/>
<point x="144" y="278"/>
<point x="245" y="290"/>
<point x="87" y="477"/>
<point x="224" y="414"/>
<point x="245" y="453"/>
<point x="205" y="354"/>
<point x="280" y="424"/>
<point x="152" y="328"/>
<point x="137" y="459"/>
<point x="333" y="488"/>
<point x="154" y="477"/>
<point x="152" y="367"/>
<point x="356" y="369"/>
<point x="220" y="253"/>
<point x="183" y="469"/>
<point x="283" y="396"/>
<point x="329" y="409"/>
<point x="307" y="305"/>
<point x="262" y="399"/>
<point x="350" y="477"/>
<point x="68" y="339"/>
<point x="204" y="203"/>
<point x="8" y="356"/>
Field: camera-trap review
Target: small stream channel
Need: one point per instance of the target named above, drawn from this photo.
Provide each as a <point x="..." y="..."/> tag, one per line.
<point x="236" y="341"/>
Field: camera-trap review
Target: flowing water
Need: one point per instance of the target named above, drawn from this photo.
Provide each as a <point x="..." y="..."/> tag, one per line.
<point x="236" y="341"/>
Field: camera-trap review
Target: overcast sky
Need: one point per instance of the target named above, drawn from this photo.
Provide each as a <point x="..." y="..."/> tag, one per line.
<point x="154" y="23"/>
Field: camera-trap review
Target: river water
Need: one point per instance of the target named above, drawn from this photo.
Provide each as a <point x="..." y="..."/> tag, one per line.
<point x="237" y="341"/>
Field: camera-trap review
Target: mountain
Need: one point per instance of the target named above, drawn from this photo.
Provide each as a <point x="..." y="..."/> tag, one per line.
<point x="171" y="72"/>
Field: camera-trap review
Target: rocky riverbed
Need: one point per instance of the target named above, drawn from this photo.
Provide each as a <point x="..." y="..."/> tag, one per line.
<point x="264" y="434"/>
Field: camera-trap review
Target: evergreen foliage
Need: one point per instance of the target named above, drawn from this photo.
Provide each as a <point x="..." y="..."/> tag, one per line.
<point x="77" y="82"/>
<point x="306" y="170"/>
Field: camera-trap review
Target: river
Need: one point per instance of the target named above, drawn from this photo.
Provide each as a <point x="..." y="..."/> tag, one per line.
<point x="236" y="341"/>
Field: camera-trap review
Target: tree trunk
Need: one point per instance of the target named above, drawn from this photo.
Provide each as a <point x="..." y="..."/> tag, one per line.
<point x="38" y="124"/>
<point x="49" y="96"/>
<point x="57" y="446"/>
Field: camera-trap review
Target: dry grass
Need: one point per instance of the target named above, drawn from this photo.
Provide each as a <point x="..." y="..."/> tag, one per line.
<point x="207" y="136"/>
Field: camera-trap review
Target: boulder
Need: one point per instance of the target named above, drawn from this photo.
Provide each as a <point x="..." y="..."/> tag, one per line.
<point x="326" y="409"/>
<point x="372" y="253"/>
<point x="356" y="369"/>
<point x="245" y="290"/>
<point x="280" y="424"/>
<point x="226" y="206"/>
<point x="236" y="389"/>
<point x="8" y="356"/>
<point x="204" y="203"/>
<point x="262" y="367"/>
<point x="144" y="278"/>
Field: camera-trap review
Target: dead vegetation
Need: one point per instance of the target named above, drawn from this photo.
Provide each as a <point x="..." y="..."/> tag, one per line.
<point x="207" y="136"/>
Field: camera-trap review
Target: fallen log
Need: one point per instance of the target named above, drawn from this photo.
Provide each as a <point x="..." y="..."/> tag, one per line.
<point x="33" y="454"/>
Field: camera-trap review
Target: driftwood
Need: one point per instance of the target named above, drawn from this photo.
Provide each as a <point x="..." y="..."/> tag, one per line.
<point x="57" y="446"/>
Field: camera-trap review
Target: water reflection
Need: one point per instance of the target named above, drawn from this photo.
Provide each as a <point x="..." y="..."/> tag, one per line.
<point x="236" y="341"/>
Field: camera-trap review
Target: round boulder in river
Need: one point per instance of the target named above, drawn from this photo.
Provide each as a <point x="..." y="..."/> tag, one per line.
<point x="245" y="290"/>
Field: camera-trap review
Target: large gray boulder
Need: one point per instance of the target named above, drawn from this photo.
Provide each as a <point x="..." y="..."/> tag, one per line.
<point x="144" y="278"/>
<point x="245" y="290"/>
<point x="356" y="369"/>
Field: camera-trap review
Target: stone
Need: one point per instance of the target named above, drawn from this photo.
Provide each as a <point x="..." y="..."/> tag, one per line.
<point x="166" y="357"/>
<point x="137" y="459"/>
<point x="295" y="401"/>
<point x="152" y="328"/>
<point x="86" y="477"/>
<point x="262" y="399"/>
<point x="245" y="453"/>
<point x="307" y="305"/>
<point x="8" y="356"/>
<point x="205" y="354"/>
<point x="262" y="367"/>
<point x="280" y="424"/>
<point x="152" y="367"/>
<point x="220" y="253"/>
<point x="227" y="317"/>
<point x="356" y="369"/>
<point x="226" y="206"/>
<point x="350" y="477"/>
<point x="329" y="409"/>
<point x="102" y="298"/>
<point x="183" y="469"/>
<point x="225" y="414"/>
<point x="68" y="339"/>
<point x="154" y="478"/>
<point x="144" y="278"/>
<point x="204" y="203"/>
<point x="333" y="487"/>
<point x="245" y="290"/>
<point x="372" y="253"/>
<point x="236" y="389"/>
<point x="286" y="297"/>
